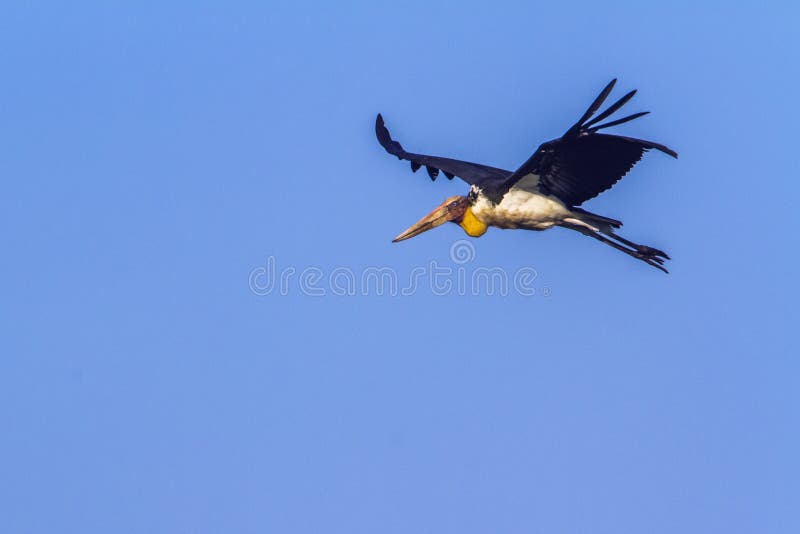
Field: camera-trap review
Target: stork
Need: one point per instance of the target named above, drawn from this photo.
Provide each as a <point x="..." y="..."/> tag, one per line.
<point x="547" y="190"/>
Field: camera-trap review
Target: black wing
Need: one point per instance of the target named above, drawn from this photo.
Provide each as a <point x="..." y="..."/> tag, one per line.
<point x="472" y="173"/>
<point x="583" y="163"/>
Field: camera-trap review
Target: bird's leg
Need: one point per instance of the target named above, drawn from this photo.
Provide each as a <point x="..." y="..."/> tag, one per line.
<point x="648" y="255"/>
<point x="644" y="249"/>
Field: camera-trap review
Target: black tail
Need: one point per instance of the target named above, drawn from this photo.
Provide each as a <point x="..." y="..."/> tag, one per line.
<point x="595" y="219"/>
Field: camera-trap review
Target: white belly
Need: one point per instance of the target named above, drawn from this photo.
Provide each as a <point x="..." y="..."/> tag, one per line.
<point x="521" y="209"/>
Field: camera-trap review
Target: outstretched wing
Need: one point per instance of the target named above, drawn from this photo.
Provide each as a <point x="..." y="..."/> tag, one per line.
<point x="472" y="173"/>
<point x="583" y="163"/>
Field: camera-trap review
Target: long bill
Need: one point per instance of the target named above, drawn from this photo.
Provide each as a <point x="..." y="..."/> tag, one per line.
<point x="437" y="217"/>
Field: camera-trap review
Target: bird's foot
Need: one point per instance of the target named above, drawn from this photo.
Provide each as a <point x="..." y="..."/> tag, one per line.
<point x="649" y="253"/>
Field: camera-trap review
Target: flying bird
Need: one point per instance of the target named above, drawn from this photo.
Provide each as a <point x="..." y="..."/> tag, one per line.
<point x="547" y="190"/>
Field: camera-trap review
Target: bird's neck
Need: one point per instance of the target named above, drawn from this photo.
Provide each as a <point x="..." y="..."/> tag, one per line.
<point x="472" y="225"/>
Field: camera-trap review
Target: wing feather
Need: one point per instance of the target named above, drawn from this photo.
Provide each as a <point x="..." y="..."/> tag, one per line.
<point x="472" y="173"/>
<point x="583" y="163"/>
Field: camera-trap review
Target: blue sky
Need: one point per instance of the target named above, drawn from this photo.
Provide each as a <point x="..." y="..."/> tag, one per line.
<point x="155" y="154"/>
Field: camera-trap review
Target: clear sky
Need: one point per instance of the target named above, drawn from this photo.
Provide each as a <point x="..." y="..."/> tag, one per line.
<point x="156" y="157"/>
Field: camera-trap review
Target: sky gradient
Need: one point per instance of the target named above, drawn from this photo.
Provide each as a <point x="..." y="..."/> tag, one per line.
<point x="154" y="155"/>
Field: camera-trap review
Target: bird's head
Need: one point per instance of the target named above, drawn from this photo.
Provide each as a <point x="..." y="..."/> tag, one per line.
<point x="456" y="209"/>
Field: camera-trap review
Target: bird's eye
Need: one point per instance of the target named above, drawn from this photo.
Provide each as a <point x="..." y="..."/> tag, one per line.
<point x="454" y="204"/>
